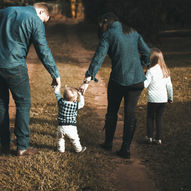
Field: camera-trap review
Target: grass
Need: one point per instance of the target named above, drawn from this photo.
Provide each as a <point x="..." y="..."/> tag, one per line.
<point x="51" y="170"/>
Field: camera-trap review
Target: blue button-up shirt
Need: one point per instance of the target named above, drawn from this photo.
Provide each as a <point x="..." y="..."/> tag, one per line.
<point x="19" y="27"/>
<point x="127" y="52"/>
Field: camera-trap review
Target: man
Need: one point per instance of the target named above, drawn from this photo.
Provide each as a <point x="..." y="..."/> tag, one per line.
<point x="19" y="27"/>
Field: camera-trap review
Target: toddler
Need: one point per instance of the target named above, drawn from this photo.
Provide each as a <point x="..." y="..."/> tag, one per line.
<point x="67" y="113"/>
<point x="160" y="92"/>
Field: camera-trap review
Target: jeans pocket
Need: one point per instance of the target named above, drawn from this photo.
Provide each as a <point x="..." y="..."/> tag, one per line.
<point x="17" y="75"/>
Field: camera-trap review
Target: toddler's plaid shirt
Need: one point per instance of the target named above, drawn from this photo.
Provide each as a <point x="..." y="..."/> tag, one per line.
<point x="67" y="112"/>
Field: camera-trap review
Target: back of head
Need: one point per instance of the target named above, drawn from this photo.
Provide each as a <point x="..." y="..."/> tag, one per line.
<point x="156" y="57"/>
<point x="105" y="21"/>
<point x="44" y="6"/>
<point x="70" y="93"/>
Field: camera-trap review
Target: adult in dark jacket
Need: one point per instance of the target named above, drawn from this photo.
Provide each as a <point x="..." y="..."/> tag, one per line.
<point x="19" y="27"/>
<point x="128" y="52"/>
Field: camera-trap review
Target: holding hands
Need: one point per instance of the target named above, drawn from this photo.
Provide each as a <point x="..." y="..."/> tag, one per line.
<point x="85" y="85"/>
<point x="56" y="83"/>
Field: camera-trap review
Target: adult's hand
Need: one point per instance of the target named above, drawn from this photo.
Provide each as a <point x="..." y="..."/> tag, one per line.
<point x="85" y="85"/>
<point x="56" y="82"/>
<point x="83" y="88"/>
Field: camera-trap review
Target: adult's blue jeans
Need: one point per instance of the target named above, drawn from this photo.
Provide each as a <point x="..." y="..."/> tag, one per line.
<point x="17" y="81"/>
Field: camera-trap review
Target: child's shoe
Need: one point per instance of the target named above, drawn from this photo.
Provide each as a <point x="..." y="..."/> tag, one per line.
<point x="157" y="142"/>
<point x="83" y="149"/>
<point x="148" y="140"/>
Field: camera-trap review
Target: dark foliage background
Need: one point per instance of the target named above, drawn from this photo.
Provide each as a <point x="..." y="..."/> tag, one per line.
<point x="148" y="17"/>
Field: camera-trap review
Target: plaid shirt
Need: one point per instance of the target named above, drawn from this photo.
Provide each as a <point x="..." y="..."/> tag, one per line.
<point x="67" y="110"/>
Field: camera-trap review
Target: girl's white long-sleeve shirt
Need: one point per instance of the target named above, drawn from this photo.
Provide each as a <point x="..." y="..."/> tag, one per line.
<point x="159" y="88"/>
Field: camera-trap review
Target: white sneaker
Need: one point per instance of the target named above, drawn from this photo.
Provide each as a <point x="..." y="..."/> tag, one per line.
<point x="158" y="142"/>
<point x="148" y="140"/>
<point x="83" y="149"/>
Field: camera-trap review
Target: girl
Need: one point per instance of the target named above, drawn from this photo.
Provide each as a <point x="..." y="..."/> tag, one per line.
<point x="160" y="92"/>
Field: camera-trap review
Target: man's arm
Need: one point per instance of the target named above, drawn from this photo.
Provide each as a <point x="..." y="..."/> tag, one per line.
<point x="43" y="51"/>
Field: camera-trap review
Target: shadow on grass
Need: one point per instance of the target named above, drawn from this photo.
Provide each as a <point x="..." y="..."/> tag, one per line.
<point x="43" y="146"/>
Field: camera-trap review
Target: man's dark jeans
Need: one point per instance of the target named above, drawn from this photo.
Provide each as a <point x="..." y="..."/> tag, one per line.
<point x="17" y="81"/>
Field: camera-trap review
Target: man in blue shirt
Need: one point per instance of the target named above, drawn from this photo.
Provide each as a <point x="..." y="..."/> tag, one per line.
<point x="19" y="27"/>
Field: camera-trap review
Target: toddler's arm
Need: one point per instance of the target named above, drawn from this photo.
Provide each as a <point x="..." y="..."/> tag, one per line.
<point x="57" y="93"/>
<point x="81" y="101"/>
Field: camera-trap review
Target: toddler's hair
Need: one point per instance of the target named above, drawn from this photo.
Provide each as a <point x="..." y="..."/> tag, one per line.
<point x="156" y="57"/>
<point x="70" y="93"/>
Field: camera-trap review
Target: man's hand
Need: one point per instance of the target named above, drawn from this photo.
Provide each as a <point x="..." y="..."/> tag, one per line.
<point x="56" y="82"/>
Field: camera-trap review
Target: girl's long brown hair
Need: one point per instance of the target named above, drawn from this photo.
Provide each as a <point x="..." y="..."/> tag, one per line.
<point x="156" y="57"/>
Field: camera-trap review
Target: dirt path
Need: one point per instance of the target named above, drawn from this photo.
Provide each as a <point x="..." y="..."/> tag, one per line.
<point x="130" y="175"/>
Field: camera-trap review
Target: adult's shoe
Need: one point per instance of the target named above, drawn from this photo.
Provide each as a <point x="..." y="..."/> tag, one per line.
<point x="123" y="154"/>
<point x="29" y="151"/>
<point x="106" y="147"/>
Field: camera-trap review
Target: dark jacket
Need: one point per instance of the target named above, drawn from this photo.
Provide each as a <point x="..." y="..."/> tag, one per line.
<point x="127" y="52"/>
<point x="19" y="27"/>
